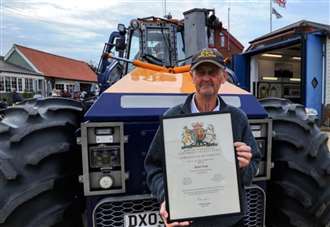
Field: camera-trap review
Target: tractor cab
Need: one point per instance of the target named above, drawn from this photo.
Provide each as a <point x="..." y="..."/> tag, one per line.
<point x="154" y="40"/>
<point x="159" y="41"/>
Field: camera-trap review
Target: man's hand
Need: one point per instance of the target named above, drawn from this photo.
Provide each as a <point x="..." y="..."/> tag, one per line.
<point x="164" y="215"/>
<point x="244" y="154"/>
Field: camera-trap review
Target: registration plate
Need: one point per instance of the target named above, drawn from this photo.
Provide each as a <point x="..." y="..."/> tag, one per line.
<point x="145" y="219"/>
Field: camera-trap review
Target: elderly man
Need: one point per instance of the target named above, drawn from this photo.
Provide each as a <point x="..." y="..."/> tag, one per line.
<point x="208" y="74"/>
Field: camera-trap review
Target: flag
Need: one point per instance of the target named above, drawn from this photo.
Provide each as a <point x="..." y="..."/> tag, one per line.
<point x="281" y="3"/>
<point x="277" y="14"/>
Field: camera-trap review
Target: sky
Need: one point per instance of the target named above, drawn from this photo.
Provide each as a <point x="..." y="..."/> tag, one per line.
<point x="79" y="28"/>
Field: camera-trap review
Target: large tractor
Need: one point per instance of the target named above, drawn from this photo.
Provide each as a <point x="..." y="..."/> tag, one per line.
<point x="65" y="164"/>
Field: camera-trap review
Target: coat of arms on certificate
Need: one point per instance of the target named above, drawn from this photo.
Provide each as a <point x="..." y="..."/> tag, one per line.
<point x="198" y="135"/>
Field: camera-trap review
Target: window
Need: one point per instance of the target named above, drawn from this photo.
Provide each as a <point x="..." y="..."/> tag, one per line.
<point x="28" y="85"/>
<point x="7" y="84"/>
<point x="35" y="85"/>
<point x="20" y="84"/>
<point x="69" y="88"/>
<point x="222" y="40"/>
<point x="134" y="52"/>
<point x="211" y="38"/>
<point x="180" y="46"/>
<point x="14" y="83"/>
<point x="159" y="45"/>
<point x="59" y="87"/>
<point x="2" y="83"/>
<point x="135" y="45"/>
<point x="40" y="85"/>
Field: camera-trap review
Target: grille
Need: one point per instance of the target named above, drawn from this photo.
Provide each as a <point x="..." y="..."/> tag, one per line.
<point x="110" y="212"/>
<point x="256" y="202"/>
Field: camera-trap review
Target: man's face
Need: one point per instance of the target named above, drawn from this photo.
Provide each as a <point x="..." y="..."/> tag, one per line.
<point x="208" y="78"/>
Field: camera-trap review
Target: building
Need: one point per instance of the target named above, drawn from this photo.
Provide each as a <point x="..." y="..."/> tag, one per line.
<point x="292" y="62"/>
<point x="226" y="43"/>
<point x="13" y="77"/>
<point x="47" y="72"/>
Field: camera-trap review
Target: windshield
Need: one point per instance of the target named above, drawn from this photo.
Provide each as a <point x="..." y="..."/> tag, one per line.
<point x="158" y="44"/>
<point x="180" y="49"/>
<point x="134" y="50"/>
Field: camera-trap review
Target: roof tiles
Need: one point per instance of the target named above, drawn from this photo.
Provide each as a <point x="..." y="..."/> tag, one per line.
<point x="57" y="66"/>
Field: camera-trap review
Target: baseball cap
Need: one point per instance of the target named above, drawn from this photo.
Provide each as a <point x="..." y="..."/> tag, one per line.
<point x="209" y="55"/>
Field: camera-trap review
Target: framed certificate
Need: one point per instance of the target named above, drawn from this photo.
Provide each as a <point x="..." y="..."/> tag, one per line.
<point x="201" y="170"/>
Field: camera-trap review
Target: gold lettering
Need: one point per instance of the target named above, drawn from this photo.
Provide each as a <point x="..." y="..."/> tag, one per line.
<point x="207" y="53"/>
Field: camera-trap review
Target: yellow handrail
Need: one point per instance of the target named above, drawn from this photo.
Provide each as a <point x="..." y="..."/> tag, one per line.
<point x="178" y="69"/>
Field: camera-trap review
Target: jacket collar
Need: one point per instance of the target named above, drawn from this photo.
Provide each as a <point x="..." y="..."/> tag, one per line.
<point x="186" y="108"/>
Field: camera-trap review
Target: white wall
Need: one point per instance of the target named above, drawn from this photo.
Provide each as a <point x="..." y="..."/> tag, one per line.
<point x="267" y="67"/>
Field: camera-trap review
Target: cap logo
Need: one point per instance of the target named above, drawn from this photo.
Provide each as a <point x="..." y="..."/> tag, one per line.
<point x="206" y="53"/>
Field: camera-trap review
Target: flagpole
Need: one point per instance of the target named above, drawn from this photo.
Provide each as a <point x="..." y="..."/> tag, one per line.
<point x="270" y="15"/>
<point x="228" y="27"/>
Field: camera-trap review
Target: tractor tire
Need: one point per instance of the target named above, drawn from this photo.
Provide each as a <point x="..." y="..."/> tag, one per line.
<point x="40" y="164"/>
<point x="298" y="193"/>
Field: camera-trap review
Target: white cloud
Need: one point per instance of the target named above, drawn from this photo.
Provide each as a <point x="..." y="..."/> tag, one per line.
<point x="78" y="6"/>
<point x="73" y="33"/>
<point x="49" y="13"/>
<point x="81" y="24"/>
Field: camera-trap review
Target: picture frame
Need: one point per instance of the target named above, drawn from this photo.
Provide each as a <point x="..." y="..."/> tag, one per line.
<point x="200" y="167"/>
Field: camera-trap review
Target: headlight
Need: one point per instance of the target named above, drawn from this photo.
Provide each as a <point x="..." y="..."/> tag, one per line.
<point x="105" y="157"/>
<point x="106" y="182"/>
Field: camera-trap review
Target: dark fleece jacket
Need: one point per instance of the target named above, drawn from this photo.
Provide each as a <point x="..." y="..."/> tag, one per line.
<point x="241" y="132"/>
